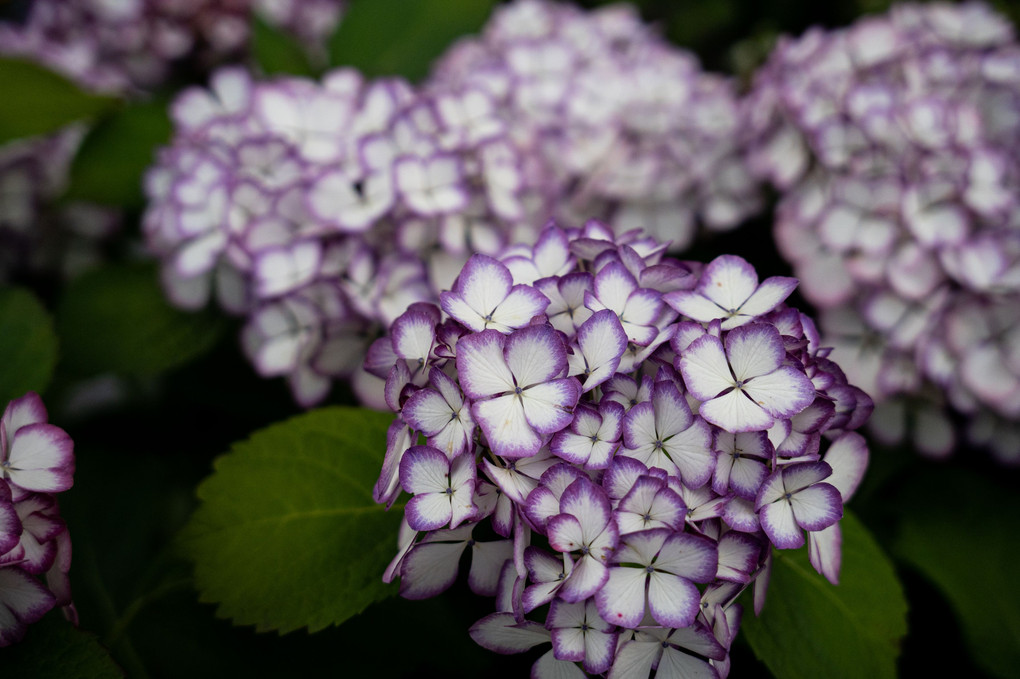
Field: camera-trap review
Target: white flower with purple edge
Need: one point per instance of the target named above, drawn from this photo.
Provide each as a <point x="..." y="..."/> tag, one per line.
<point x="512" y="381"/>
<point x="590" y="473"/>
<point x="746" y="386"/>
<point x="37" y="461"/>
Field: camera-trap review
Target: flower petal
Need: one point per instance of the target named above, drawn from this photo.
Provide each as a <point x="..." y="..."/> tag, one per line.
<point x="481" y="367"/>
<point x="672" y="600"/>
<point x="41" y="459"/>
<point x="622" y="600"/>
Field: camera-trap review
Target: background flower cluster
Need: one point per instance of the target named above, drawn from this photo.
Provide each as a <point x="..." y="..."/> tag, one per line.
<point x="288" y="196"/>
<point x="894" y="144"/>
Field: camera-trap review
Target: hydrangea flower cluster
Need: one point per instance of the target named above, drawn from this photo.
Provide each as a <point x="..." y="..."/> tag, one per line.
<point x="621" y="123"/>
<point x="35" y="233"/>
<point x="133" y="44"/>
<point x="36" y="463"/>
<point x="271" y="199"/>
<point x="321" y="210"/>
<point x="896" y="146"/>
<point x="619" y="439"/>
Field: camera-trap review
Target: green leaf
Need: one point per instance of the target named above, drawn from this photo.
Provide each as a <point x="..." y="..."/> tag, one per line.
<point x="54" y="649"/>
<point x="958" y="529"/>
<point x="116" y="319"/>
<point x="287" y="535"/>
<point x="396" y="37"/>
<point x="810" y="628"/>
<point x="28" y="344"/>
<point x="36" y="100"/>
<point x="278" y="52"/>
<point x="108" y="167"/>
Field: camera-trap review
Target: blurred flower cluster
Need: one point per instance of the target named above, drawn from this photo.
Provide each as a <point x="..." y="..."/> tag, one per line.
<point x="132" y="45"/>
<point x="37" y="233"/>
<point x="895" y="144"/>
<point x="611" y="118"/>
<point x="123" y="48"/>
<point x="619" y="435"/>
<point x="36" y="463"/>
<point x="322" y="209"/>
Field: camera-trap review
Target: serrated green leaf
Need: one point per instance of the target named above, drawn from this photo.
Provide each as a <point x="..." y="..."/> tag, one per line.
<point x="27" y="343"/>
<point x="54" y="649"/>
<point x="37" y="100"/>
<point x="116" y="319"/>
<point x="810" y="628"/>
<point x="115" y="153"/>
<point x="287" y="535"/>
<point x="959" y="530"/>
<point x="396" y="37"/>
<point x="276" y="51"/>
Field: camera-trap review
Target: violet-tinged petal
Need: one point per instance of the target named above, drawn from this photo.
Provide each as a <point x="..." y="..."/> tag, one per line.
<point x="735" y="412"/>
<point x="782" y="393"/>
<point x="589" y="504"/>
<point x="797" y="476"/>
<point x="535" y="354"/>
<point x="779" y="524"/>
<point x="549" y="407"/>
<point x="40" y="459"/>
<point x="565" y="533"/>
<point x="673" y="601"/>
<point x="754" y="350"/>
<point x="10" y="525"/>
<point x="602" y="343"/>
<point x="23" y="600"/>
<point x="587" y="578"/>
<point x="705" y="369"/>
<point x="28" y="409"/>
<point x="817" y="507"/>
<point x="480" y="364"/>
<point x="501" y="633"/>
<point x="482" y="285"/>
<point x="848" y="458"/>
<point x="423" y="469"/>
<point x="430" y="568"/>
<point x="690" y="556"/>
<point x="738" y="557"/>
<point x="487" y="559"/>
<point x="506" y="427"/>
<point x="635" y="659"/>
<point x="428" y="511"/>
<point x="621" y="600"/>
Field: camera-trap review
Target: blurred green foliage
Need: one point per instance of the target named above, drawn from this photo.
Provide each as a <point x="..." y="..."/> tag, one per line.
<point x="117" y="319"/>
<point x="117" y="150"/>
<point x="36" y="100"/>
<point x="27" y="343"/>
<point x="399" y="38"/>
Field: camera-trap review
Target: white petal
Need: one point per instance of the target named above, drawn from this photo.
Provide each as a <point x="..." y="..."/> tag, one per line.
<point x="622" y="600"/>
<point x="735" y="412"/>
<point x="704" y="368"/>
<point x="782" y="393"/>
<point x="506" y="427"/>
<point x="480" y="364"/>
